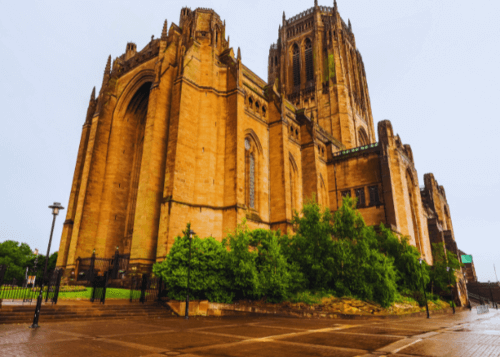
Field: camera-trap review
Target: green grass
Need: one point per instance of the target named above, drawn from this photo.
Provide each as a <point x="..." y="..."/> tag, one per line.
<point x="111" y="293"/>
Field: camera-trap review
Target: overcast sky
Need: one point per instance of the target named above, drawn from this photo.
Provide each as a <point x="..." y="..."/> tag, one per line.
<point x="432" y="69"/>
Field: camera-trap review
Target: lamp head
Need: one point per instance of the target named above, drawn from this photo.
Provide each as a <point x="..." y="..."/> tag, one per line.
<point x="191" y="234"/>
<point x="55" y="208"/>
<point x="420" y="260"/>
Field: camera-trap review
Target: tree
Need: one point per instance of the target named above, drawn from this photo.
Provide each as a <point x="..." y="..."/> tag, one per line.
<point x="409" y="273"/>
<point x="439" y="275"/>
<point x="361" y="269"/>
<point x="17" y="257"/>
<point x="311" y="248"/>
<point x="277" y="278"/>
<point x="208" y="278"/>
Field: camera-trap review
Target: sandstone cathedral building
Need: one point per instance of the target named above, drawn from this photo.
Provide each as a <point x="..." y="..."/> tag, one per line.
<point x="183" y="131"/>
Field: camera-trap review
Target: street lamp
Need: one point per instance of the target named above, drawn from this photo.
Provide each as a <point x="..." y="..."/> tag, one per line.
<point x="493" y="304"/>
<point x="451" y="289"/>
<point x="56" y="207"/>
<point x="190" y="233"/>
<point x="423" y="287"/>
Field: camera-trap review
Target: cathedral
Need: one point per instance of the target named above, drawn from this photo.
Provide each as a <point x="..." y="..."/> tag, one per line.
<point x="183" y="131"/>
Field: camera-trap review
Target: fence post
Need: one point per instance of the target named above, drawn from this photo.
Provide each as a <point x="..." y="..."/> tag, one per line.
<point x="144" y="287"/>
<point x="91" y="270"/>
<point x="116" y="266"/>
<point x="103" y="297"/>
<point x="93" y="290"/>
<point x="58" y="284"/>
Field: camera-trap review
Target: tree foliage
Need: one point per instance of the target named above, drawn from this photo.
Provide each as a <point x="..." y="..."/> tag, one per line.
<point x="327" y="253"/>
<point x="441" y="279"/>
<point x="18" y="256"/>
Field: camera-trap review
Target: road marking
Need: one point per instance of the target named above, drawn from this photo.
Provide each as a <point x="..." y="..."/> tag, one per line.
<point x="399" y="345"/>
<point x="411" y="343"/>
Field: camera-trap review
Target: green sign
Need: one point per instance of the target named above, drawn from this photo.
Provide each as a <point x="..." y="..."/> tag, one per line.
<point x="466" y="259"/>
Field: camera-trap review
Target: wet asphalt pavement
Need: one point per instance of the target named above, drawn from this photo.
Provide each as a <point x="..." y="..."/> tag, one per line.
<point x="463" y="334"/>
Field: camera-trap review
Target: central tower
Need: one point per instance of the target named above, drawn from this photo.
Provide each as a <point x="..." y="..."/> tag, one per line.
<point x="316" y="64"/>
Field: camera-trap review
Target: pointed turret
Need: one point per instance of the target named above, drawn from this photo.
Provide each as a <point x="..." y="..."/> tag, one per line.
<point x="284" y="19"/>
<point x="334" y="5"/>
<point x="107" y="70"/>
<point x="239" y="54"/>
<point x="164" y="31"/>
<point x="92" y="96"/>
<point x="315" y="3"/>
<point x="349" y="24"/>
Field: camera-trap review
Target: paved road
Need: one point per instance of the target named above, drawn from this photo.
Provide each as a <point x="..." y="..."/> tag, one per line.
<point x="464" y="334"/>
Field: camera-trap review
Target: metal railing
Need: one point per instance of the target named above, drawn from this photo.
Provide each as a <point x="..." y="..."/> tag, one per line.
<point x="24" y="293"/>
<point x="356" y="150"/>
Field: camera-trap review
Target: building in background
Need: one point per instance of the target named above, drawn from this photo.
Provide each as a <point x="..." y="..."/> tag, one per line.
<point x="182" y="131"/>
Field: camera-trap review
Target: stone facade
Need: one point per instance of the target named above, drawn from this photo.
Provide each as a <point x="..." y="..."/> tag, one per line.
<point x="182" y="131"/>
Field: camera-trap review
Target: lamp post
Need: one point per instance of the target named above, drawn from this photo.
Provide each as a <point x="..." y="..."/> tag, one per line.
<point x="56" y="207"/>
<point x="190" y="233"/>
<point x="493" y="304"/>
<point x="451" y="289"/>
<point x="423" y="288"/>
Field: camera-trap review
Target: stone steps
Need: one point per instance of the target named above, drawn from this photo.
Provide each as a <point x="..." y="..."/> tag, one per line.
<point x="24" y="314"/>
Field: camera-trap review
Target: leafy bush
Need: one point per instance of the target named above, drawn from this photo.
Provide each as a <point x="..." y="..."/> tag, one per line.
<point x="208" y="275"/>
<point x="327" y="254"/>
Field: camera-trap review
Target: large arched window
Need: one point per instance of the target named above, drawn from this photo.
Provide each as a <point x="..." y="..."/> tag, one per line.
<point x="294" y="204"/>
<point x="296" y="65"/>
<point x="309" y="61"/>
<point x="252" y="152"/>
<point x="363" y="137"/>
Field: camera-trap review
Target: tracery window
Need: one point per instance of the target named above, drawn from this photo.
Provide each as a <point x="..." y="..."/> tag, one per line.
<point x="374" y="198"/>
<point x="360" y="195"/>
<point x="296" y="65"/>
<point x="252" y="181"/>
<point x="363" y="137"/>
<point x="309" y="61"/>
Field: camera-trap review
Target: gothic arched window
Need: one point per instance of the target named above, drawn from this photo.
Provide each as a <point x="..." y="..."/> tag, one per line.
<point x="296" y="65"/>
<point x="309" y="61"/>
<point x="362" y="137"/>
<point x="251" y="178"/>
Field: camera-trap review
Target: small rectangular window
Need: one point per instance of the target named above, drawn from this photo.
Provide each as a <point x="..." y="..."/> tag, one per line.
<point x="346" y="193"/>
<point x="374" y="198"/>
<point x="360" y="195"/>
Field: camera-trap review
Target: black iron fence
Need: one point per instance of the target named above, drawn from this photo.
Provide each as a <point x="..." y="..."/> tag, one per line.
<point x="99" y="285"/>
<point x="27" y="291"/>
<point x="146" y="288"/>
<point x="89" y="268"/>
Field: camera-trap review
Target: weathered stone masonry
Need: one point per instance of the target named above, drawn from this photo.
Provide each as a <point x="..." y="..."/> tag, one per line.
<point x="182" y="131"/>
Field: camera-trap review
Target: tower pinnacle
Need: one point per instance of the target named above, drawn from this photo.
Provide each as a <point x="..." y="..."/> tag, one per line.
<point x="107" y="70"/>
<point x="315" y="3"/>
<point x="239" y="54"/>
<point x="92" y="96"/>
<point x="164" y="31"/>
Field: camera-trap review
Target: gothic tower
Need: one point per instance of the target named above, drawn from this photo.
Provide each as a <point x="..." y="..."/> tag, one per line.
<point x="317" y="65"/>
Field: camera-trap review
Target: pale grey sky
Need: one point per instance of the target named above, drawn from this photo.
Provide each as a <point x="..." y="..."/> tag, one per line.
<point x="432" y="69"/>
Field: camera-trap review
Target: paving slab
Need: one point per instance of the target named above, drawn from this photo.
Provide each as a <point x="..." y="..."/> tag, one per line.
<point x="338" y="339"/>
<point x="465" y="334"/>
<point x="271" y="349"/>
<point x="176" y="339"/>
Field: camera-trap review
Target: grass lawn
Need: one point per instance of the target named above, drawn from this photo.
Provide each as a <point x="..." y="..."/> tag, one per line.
<point x="111" y="293"/>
